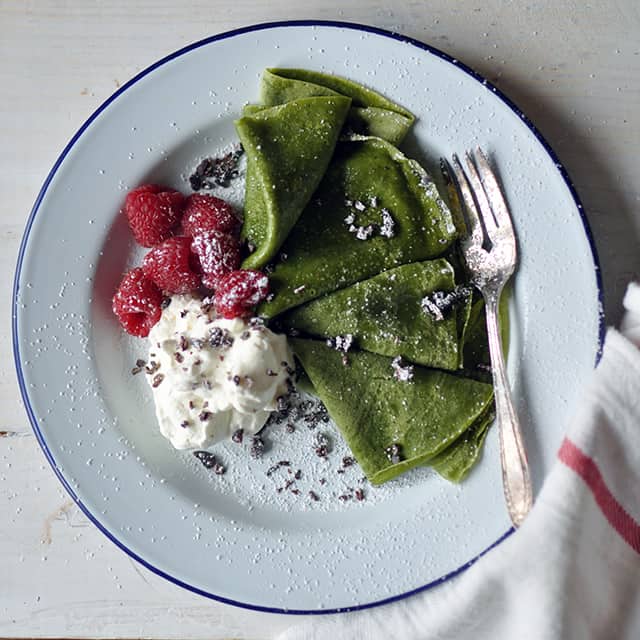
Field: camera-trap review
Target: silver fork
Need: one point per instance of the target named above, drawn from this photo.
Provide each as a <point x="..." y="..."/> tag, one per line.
<point x="489" y="251"/>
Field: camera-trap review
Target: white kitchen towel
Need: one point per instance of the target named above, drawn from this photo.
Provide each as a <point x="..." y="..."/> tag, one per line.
<point x="572" y="571"/>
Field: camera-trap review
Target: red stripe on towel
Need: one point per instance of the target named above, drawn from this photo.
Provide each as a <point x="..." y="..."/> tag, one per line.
<point x="613" y="511"/>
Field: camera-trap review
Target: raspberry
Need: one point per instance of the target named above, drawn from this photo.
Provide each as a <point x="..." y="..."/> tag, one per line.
<point x="208" y="213"/>
<point x="171" y="266"/>
<point x="218" y="254"/>
<point x="153" y="212"/>
<point x="137" y="303"/>
<point x="239" y="291"/>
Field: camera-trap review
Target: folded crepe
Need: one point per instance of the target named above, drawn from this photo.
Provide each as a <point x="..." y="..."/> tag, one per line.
<point x="289" y="140"/>
<point x="370" y="113"/>
<point x="457" y="460"/>
<point x="386" y="314"/>
<point x="375" y="209"/>
<point x="288" y="149"/>
<point x="392" y="425"/>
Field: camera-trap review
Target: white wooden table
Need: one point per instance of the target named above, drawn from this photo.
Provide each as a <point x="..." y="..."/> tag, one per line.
<point x="574" y="68"/>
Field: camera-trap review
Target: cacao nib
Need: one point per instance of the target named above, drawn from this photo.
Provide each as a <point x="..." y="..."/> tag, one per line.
<point x="257" y="447"/>
<point x="394" y="453"/>
<point x="207" y="458"/>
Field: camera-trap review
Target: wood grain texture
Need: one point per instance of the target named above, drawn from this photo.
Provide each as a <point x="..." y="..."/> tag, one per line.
<point x="573" y="68"/>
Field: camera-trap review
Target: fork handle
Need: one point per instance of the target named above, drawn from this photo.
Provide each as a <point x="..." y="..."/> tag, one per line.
<point x="515" y="468"/>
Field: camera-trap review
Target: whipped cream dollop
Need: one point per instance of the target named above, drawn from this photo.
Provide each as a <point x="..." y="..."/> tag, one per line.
<point x="213" y="376"/>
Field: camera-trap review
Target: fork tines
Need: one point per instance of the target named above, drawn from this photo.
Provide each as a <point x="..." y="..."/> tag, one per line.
<point x="486" y="215"/>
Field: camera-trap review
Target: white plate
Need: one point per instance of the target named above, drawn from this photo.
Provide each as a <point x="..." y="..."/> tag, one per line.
<point x="234" y="537"/>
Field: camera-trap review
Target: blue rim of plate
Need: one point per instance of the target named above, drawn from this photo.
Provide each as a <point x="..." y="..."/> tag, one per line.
<point x="223" y="36"/>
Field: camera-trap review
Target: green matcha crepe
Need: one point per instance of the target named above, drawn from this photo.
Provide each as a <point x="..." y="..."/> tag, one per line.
<point x="367" y="183"/>
<point x="288" y="150"/>
<point x="352" y="234"/>
<point x="384" y="314"/>
<point x="370" y="114"/>
<point x="457" y="460"/>
<point x="392" y="425"/>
